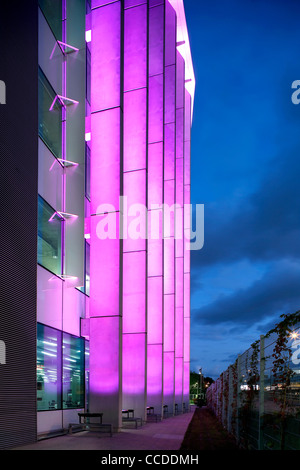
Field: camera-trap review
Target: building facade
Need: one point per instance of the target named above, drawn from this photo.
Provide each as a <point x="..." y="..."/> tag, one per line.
<point x="115" y="89"/>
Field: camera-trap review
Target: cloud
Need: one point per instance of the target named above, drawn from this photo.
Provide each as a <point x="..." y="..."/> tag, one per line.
<point x="263" y="226"/>
<point x="277" y="292"/>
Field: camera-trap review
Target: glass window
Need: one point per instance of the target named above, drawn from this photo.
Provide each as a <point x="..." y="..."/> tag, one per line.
<point x="49" y="238"/>
<point x="48" y="368"/>
<point x="87" y="373"/>
<point x="52" y="11"/>
<point x="87" y="172"/>
<point x="73" y="372"/>
<point x="87" y="269"/>
<point x="50" y="122"/>
<point x="88" y="74"/>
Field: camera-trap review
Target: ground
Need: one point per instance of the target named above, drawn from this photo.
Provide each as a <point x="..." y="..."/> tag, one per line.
<point x="206" y="433"/>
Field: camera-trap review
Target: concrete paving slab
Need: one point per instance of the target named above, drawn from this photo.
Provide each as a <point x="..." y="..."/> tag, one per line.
<point x="167" y="434"/>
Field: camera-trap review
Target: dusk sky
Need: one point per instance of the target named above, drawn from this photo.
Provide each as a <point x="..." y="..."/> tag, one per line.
<point x="245" y="170"/>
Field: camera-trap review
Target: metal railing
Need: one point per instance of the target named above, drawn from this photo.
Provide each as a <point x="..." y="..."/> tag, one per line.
<point x="257" y="399"/>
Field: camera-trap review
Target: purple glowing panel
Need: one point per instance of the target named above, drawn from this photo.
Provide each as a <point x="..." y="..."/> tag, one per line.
<point x="178" y="379"/>
<point x="134" y="349"/>
<point x="169" y="169"/>
<point x="169" y="208"/>
<point x="169" y="266"/>
<point x="187" y="295"/>
<point x="134" y="292"/>
<point x="187" y="162"/>
<point x="104" y="358"/>
<point x="104" y="269"/>
<point x="105" y="57"/>
<point x="179" y="194"/>
<point x="135" y="47"/>
<point x="180" y="89"/>
<point x="155" y="243"/>
<point x="170" y="46"/>
<point x="170" y="93"/>
<point x="187" y="253"/>
<point x="188" y="115"/>
<point x="179" y="231"/>
<point x="156" y="108"/>
<point x="105" y="161"/>
<point x="180" y="133"/>
<point x="186" y="381"/>
<point x="169" y="365"/>
<point x="100" y="3"/>
<point x="153" y="3"/>
<point x="179" y="331"/>
<point x="133" y="3"/>
<point x="179" y="281"/>
<point x="187" y="208"/>
<point x="186" y="350"/>
<point x="156" y="40"/>
<point x="155" y="310"/>
<point x="154" y="374"/>
<point x="135" y="213"/>
<point x="135" y="129"/>
<point x="169" y="322"/>
<point x="155" y="175"/>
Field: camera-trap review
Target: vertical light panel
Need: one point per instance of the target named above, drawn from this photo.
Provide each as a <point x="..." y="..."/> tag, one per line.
<point x="169" y="208"/>
<point x="155" y="201"/>
<point x="134" y="204"/>
<point x="105" y="189"/>
<point x="187" y="262"/>
<point x="179" y="230"/>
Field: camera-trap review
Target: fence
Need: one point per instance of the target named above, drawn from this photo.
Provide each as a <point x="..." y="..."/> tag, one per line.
<point x="257" y="399"/>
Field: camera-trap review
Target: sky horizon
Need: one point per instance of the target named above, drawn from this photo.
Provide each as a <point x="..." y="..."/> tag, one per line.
<point x="245" y="166"/>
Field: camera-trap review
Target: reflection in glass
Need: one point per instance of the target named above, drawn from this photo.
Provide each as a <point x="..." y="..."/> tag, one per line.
<point x="87" y="269"/>
<point x="73" y="372"/>
<point x="50" y="126"/>
<point x="48" y="368"/>
<point x="49" y="238"/>
<point x="52" y="11"/>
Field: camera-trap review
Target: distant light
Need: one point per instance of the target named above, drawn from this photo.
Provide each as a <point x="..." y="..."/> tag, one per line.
<point x="87" y="136"/>
<point x="294" y="335"/>
<point x="88" y="35"/>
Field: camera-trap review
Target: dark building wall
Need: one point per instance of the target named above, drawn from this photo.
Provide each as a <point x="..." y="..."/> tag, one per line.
<point x="18" y="222"/>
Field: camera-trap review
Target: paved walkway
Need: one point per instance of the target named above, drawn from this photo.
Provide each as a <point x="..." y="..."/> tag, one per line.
<point x="164" y="435"/>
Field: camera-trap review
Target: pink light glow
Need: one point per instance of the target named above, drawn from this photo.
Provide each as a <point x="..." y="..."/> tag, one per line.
<point x="184" y="49"/>
<point x="169" y="322"/>
<point x="105" y="273"/>
<point x="169" y="365"/>
<point x="135" y="47"/>
<point x="134" y="353"/>
<point x="134" y="292"/>
<point x="156" y="107"/>
<point x="105" y="161"/>
<point x="154" y="375"/>
<point x="135" y="125"/>
<point x="155" y="310"/>
<point x="104" y="358"/>
<point x="106" y="56"/>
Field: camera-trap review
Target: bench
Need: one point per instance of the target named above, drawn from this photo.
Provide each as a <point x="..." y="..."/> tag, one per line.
<point x="128" y="416"/>
<point x="151" y="416"/>
<point x="89" y="426"/>
<point x="165" y="411"/>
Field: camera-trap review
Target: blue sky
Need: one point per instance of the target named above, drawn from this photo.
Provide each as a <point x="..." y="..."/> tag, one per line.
<point x="245" y="170"/>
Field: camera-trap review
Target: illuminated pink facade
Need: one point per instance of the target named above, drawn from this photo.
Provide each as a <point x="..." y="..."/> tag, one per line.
<point x="142" y="88"/>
